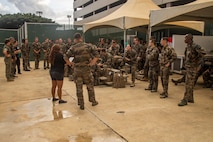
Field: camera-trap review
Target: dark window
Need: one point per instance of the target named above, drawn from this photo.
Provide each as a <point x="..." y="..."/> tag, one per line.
<point x="117" y="3"/>
<point x="181" y="2"/>
<point x="88" y="3"/>
<point x="101" y="10"/>
<point x="88" y="15"/>
<point x="177" y="3"/>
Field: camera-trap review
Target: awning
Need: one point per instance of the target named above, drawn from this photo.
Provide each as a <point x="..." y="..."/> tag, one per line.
<point x="132" y="14"/>
<point x="200" y="10"/>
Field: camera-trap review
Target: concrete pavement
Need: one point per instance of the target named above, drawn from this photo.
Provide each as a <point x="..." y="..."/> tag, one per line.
<point x="127" y="114"/>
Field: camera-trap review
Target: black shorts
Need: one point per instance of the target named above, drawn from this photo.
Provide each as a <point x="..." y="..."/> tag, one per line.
<point x="56" y="75"/>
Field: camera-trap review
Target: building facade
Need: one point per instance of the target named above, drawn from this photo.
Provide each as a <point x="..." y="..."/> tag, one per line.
<point x="90" y="10"/>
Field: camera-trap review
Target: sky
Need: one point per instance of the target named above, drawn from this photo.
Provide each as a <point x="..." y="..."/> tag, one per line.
<point x="57" y="10"/>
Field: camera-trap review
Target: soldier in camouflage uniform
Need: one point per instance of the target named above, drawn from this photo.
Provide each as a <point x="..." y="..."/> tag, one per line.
<point x="105" y="58"/>
<point x="208" y="77"/>
<point x="62" y="45"/>
<point x="36" y="52"/>
<point x="208" y="74"/>
<point x="116" y="55"/>
<point x="8" y="60"/>
<point x="140" y="50"/>
<point x="25" y="55"/>
<point x="168" y="55"/>
<point x="67" y="69"/>
<point x="130" y="57"/>
<point x="46" y="50"/>
<point x="101" y="45"/>
<point x="152" y="58"/>
<point x="12" y="48"/>
<point x="146" y="65"/>
<point x="85" y="56"/>
<point x="193" y="57"/>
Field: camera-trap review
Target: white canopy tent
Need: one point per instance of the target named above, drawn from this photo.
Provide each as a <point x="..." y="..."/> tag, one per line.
<point x="132" y="14"/>
<point x="200" y="10"/>
<point x="196" y="25"/>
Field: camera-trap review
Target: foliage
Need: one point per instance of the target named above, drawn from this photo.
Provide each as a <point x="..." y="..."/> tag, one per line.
<point x="14" y="21"/>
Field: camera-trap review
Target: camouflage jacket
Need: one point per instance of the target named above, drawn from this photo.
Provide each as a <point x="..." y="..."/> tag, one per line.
<point x="8" y="49"/>
<point x="36" y="47"/>
<point x="152" y="56"/>
<point x="193" y="55"/>
<point x="45" y="47"/>
<point x="168" y="55"/>
<point x="114" y="50"/>
<point x="25" y="49"/>
<point x="100" y="45"/>
<point x="132" y="55"/>
<point x="106" y="59"/>
<point x="82" y="53"/>
<point x="62" y="48"/>
<point x="68" y="45"/>
<point x="140" y="50"/>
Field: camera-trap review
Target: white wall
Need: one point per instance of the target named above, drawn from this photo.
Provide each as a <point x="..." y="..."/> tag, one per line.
<point x="179" y="45"/>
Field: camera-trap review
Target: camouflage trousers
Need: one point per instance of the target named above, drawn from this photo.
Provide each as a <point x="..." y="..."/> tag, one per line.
<point x="146" y="69"/>
<point x="83" y="75"/>
<point x="140" y="64"/>
<point x="25" y="62"/>
<point x="37" y="59"/>
<point x="8" y="67"/>
<point x="191" y="74"/>
<point x="13" y="67"/>
<point x="153" y="77"/>
<point x="164" y="74"/>
<point x="133" y="70"/>
<point x="46" y="61"/>
<point x="207" y="79"/>
<point x="66" y="70"/>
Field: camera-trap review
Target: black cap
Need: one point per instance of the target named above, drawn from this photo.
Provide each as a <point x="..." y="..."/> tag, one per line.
<point x="189" y="35"/>
<point x="77" y="36"/>
<point x="7" y="40"/>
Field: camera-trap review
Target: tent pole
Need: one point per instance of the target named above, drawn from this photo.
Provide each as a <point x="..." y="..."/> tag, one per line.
<point x="149" y="28"/>
<point x="125" y="40"/>
<point x="149" y="32"/>
<point x="124" y="28"/>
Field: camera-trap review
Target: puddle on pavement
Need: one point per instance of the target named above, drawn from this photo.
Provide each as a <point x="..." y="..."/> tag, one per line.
<point x="61" y="114"/>
<point x="40" y="110"/>
<point x="86" y="138"/>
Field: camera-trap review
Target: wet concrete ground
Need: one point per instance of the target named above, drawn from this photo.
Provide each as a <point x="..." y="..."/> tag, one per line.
<point x="127" y="114"/>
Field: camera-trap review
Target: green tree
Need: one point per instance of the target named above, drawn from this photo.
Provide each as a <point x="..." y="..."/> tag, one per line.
<point x="14" y="21"/>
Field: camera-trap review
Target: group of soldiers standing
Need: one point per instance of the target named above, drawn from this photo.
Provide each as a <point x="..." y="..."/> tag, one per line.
<point x="157" y="61"/>
<point x="44" y="47"/>
<point x="154" y="61"/>
<point x="12" y="54"/>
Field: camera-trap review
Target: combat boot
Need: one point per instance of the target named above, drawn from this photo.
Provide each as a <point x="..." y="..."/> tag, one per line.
<point x="132" y="84"/>
<point x="10" y="79"/>
<point x="163" y="95"/>
<point x="94" y="103"/>
<point x="182" y="103"/>
<point x="82" y="107"/>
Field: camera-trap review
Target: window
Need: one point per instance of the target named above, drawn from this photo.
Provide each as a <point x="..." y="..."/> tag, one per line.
<point x="101" y="10"/>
